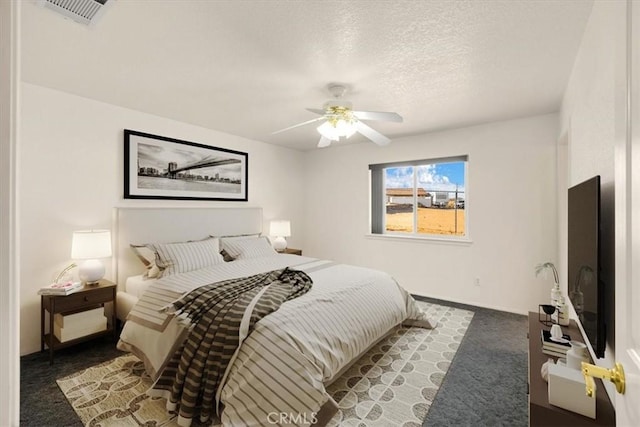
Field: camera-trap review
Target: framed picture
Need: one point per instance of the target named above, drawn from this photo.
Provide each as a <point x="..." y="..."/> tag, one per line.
<point x="157" y="167"/>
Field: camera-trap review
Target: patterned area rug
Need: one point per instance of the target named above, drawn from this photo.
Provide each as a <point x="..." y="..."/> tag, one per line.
<point x="393" y="384"/>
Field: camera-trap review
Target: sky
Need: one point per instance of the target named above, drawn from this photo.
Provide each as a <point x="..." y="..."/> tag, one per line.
<point x="433" y="177"/>
<point x="158" y="157"/>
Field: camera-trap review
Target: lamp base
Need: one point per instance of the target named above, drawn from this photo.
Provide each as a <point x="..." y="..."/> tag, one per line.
<point x="91" y="271"/>
<point x="279" y="244"/>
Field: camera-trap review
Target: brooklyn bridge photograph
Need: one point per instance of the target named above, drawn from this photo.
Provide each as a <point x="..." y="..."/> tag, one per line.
<point x="161" y="167"/>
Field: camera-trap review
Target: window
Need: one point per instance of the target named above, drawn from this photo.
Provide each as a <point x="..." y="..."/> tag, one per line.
<point x="420" y="198"/>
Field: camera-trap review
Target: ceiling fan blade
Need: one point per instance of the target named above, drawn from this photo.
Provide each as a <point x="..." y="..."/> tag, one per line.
<point x="299" y="124"/>
<point x="324" y="142"/>
<point x="317" y="111"/>
<point x="372" y="134"/>
<point x="378" y="115"/>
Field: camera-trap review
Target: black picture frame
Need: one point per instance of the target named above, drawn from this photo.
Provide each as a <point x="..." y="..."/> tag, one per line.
<point x="193" y="171"/>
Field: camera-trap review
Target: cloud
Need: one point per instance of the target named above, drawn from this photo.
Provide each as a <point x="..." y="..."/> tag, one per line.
<point x="400" y="177"/>
<point x="428" y="177"/>
<point x="159" y="157"/>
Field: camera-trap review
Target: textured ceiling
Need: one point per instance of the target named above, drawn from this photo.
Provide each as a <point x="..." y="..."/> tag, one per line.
<point x="252" y="67"/>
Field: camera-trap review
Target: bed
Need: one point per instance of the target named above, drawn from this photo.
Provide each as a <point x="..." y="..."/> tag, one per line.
<point x="282" y="367"/>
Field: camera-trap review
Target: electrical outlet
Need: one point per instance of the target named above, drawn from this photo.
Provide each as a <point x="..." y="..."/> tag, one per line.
<point x="477" y="281"/>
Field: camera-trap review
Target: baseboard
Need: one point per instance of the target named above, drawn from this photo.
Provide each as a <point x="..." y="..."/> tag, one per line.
<point x="474" y="304"/>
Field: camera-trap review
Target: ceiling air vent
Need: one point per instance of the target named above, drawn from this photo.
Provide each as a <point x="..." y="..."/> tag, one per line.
<point x="82" y="11"/>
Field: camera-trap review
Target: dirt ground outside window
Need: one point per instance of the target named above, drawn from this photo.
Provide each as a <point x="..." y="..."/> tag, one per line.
<point x="430" y="221"/>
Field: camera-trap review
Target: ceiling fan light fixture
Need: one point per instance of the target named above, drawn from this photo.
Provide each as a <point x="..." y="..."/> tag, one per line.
<point x="328" y="131"/>
<point x="334" y="129"/>
<point x="345" y="128"/>
<point x="340" y="120"/>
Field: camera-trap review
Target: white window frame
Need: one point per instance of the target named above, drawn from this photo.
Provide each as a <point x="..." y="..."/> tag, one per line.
<point x="378" y="198"/>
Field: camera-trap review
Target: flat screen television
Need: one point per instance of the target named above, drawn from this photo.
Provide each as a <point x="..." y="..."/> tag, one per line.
<point x="586" y="290"/>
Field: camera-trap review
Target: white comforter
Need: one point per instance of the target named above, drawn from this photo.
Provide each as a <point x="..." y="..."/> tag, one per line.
<point x="284" y="364"/>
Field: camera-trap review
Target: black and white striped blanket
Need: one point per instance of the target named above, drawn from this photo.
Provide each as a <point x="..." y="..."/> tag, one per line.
<point x="221" y="315"/>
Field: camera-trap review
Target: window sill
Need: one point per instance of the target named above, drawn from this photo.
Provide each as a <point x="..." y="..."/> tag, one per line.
<point x="399" y="237"/>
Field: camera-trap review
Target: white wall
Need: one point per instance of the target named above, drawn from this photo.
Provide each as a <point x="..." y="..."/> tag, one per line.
<point x="515" y="158"/>
<point x="71" y="177"/>
<point x="593" y="116"/>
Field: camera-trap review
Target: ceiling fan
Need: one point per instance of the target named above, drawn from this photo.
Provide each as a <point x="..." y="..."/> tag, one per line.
<point x="340" y="120"/>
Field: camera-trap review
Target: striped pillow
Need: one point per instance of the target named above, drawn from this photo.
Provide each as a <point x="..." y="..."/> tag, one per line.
<point x="248" y="248"/>
<point x="225" y="239"/>
<point x="173" y="258"/>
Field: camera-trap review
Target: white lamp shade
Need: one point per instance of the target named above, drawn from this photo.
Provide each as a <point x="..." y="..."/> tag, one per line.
<point x="328" y="131"/>
<point x="280" y="228"/>
<point x="334" y="130"/>
<point x="91" y="244"/>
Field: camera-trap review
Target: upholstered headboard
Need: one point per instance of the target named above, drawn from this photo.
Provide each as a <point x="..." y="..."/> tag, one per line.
<point x="147" y="225"/>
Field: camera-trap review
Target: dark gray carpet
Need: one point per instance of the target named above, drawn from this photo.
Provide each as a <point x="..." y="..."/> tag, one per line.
<point x="486" y="384"/>
<point x="41" y="401"/>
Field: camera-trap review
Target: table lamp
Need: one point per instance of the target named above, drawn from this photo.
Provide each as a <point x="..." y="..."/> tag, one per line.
<point x="280" y="229"/>
<point x="90" y="245"/>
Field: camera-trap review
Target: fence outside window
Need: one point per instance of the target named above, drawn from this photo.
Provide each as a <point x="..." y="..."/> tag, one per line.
<point x="438" y="212"/>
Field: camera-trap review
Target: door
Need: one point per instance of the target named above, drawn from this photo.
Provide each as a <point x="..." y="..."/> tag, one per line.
<point x="627" y="188"/>
<point x="9" y="272"/>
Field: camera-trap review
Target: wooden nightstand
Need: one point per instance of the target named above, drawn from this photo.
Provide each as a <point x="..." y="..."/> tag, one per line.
<point x="291" y="251"/>
<point x="87" y="298"/>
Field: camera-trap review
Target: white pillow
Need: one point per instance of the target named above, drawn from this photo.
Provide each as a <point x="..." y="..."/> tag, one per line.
<point x="248" y="248"/>
<point x="182" y="257"/>
<point x="144" y="254"/>
<point x="148" y="258"/>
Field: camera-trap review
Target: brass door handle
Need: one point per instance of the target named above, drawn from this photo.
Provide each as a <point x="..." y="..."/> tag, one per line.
<point x="615" y="375"/>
